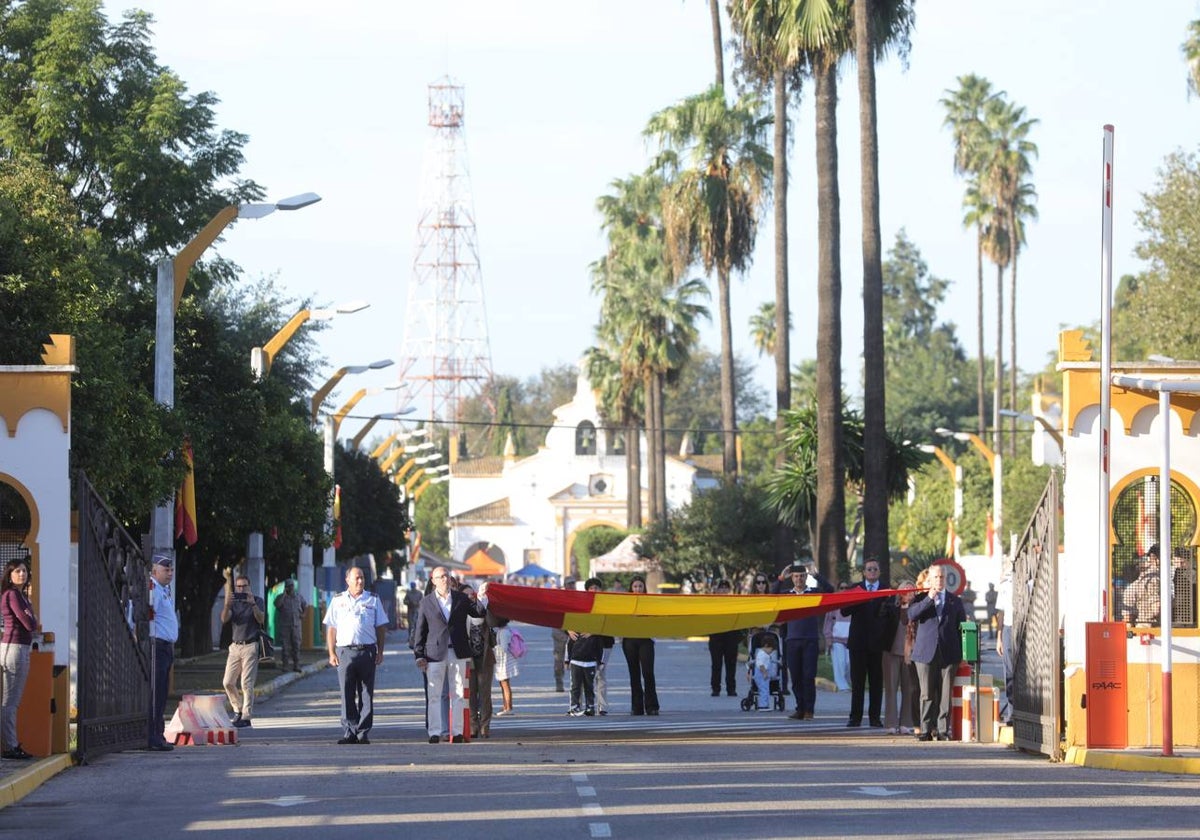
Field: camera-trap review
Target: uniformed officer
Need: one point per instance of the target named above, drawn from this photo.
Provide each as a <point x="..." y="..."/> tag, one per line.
<point x="164" y="633"/>
<point x="355" y="628"/>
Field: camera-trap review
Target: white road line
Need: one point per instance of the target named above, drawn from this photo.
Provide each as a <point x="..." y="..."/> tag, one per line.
<point x="600" y="829"/>
<point x="579" y="777"/>
<point x="585" y="790"/>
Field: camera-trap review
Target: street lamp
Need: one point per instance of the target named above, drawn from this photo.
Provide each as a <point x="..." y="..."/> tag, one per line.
<point x="171" y="276"/>
<point x="956" y="475"/>
<point x="995" y="550"/>
<point x="323" y="391"/>
<point x="357" y="440"/>
<point x="341" y="413"/>
<point x="1038" y="447"/>
<point x="387" y="462"/>
<point x="378" y="451"/>
<point x="261" y="358"/>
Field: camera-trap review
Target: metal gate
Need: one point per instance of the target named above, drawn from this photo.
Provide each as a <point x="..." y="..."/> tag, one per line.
<point x="1037" y="645"/>
<point x="113" y="687"/>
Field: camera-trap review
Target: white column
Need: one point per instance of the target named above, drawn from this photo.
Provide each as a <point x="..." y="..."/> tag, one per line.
<point x="329" y="558"/>
<point x="162" y="530"/>
<point x="304" y="571"/>
<point x="256" y="566"/>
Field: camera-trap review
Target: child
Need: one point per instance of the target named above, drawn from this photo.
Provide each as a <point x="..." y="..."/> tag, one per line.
<point x="766" y="668"/>
<point x="583" y="652"/>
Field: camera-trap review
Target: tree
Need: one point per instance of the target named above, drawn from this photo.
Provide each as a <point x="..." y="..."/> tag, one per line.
<point x="1191" y="52"/>
<point x="715" y="168"/>
<point x="693" y="400"/>
<point x="964" y="109"/>
<point x="373" y="519"/>
<point x="431" y="513"/>
<point x="926" y="365"/>
<point x="1158" y="305"/>
<point x="762" y="328"/>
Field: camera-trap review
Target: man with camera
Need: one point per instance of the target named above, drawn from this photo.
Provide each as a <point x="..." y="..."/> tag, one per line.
<point x="245" y="613"/>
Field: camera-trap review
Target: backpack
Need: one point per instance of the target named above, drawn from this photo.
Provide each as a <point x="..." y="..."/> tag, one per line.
<point x="516" y="644"/>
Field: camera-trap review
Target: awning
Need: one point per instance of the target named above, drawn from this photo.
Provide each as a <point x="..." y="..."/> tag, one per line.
<point x="623" y="558"/>
<point x="483" y="565"/>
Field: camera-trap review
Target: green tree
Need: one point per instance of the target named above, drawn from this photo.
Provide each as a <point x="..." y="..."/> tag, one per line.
<point x="693" y="401"/>
<point x="1191" y="53"/>
<point x="593" y="542"/>
<point x="373" y="519"/>
<point x="926" y="366"/>
<point x="1154" y="310"/>
<point x="716" y="171"/>
<point x="430" y="515"/>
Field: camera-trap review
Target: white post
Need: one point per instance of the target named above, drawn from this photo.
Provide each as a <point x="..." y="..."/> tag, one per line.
<point x="304" y="572"/>
<point x="329" y="558"/>
<point x="1105" y="364"/>
<point x="256" y="566"/>
<point x="1165" y="575"/>
<point x="998" y="507"/>
<point x="162" y="518"/>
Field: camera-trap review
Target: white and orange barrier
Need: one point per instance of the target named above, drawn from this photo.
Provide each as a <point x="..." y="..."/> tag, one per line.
<point x="201" y="719"/>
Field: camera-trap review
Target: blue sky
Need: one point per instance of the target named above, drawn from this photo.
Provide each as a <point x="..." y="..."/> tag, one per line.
<point x="333" y="98"/>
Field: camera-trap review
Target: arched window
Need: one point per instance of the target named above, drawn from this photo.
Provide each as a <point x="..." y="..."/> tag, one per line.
<point x="585" y="438"/>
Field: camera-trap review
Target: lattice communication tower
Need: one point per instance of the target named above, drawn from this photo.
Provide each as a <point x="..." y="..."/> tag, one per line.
<point x="446" y="355"/>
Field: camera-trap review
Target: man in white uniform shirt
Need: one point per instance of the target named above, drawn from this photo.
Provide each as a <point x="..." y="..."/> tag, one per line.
<point x="164" y="633"/>
<point x="355" y="628"/>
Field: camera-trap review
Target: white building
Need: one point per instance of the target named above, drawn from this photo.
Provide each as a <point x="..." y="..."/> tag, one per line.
<point x="528" y="510"/>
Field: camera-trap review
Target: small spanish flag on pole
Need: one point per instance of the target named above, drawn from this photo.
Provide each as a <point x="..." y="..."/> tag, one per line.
<point x="337" y="516"/>
<point x="185" y="500"/>
<point x="950" y="540"/>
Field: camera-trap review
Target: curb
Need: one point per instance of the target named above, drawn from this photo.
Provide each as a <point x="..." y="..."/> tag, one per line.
<point x="20" y="784"/>
<point x="1132" y="762"/>
<point x="268" y="689"/>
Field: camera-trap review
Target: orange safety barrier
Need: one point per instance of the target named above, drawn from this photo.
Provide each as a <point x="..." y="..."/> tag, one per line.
<point x="201" y="719"/>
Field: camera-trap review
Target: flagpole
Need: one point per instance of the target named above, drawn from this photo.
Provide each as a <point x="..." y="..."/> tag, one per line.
<point x="1105" y="554"/>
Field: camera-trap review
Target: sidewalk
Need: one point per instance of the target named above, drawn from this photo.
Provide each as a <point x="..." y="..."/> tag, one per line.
<point x="198" y="675"/>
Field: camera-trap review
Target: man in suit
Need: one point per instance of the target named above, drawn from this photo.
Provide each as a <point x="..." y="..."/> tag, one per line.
<point x="866" y="650"/>
<point x="936" y="651"/>
<point x="442" y="645"/>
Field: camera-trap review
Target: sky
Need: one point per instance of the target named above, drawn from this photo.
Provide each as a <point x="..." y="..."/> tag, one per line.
<point x="333" y="99"/>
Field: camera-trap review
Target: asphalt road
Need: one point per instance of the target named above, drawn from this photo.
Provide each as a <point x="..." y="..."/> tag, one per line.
<point x="704" y="768"/>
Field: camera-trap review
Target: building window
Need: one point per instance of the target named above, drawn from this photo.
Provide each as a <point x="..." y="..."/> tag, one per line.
<point x="1135" y="579"/>
<point x="585" y="438"/>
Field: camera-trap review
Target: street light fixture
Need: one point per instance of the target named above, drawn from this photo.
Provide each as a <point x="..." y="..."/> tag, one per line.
<point x="387" y="462"/>
<point x="341" y="413"/>
<point x="323" y="392"/>
<point x="261" y="358"/>
<point x="393" y="437"/>
<point x="1034" y="418"/>
<point x="956" y="475"/>
<point x="171" y="275"/>
<point x="357" y="440"/>
<point x="995" y="549"/>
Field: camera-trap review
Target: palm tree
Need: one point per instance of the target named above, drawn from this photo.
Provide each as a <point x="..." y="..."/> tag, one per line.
<point x="866" y="48"/>
<point x="762" y="328"/>
<point x="964" y="109"/>
<point x="714" y="10"/>
<point x="648" y="323"/>
<point x="716" y="172"/>
<point x="1003" y="164"/>
<point x="1191" y="52"/>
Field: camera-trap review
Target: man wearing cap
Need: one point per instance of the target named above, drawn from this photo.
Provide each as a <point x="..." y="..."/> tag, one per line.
<point x="1140" y="603"/>
<point x="245" y="613"/>
<point x="164" y="633"/>
<point x="355" y="630"/>
<point x="289" y="611"/>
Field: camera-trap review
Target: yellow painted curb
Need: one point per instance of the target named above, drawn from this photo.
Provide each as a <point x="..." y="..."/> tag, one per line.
<point x="1132" y="762"/>
<point x="24" y="782"/>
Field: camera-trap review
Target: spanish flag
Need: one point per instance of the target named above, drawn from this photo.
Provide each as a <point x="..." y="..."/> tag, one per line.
<point x="185" y="500"/>
<point x="337" y="516"/>
<point x="950" y="540"/>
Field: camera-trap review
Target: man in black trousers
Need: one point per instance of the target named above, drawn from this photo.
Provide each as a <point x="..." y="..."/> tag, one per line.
<point x="866" y="649"/>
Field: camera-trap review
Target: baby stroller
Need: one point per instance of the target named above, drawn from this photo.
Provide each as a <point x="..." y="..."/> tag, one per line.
<point x="750" y="701"/>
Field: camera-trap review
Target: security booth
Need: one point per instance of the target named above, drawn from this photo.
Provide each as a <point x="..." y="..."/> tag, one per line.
<point x="35" y="523"/>
<point x="1131" y="639"/>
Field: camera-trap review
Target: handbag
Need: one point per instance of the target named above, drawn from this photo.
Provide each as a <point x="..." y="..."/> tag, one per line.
<point x="266" y="650"/>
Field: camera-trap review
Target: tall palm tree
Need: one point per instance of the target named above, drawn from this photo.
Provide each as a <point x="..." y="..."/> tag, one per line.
<point x="867" y="47"/>
<point x="762" y="328"/>
<point x="1003" y="163"/>
<point x="964" y="110"/>
<point x="620" y="404"/>
<point x="716" y="171"/>
<point x="714" y="10"/>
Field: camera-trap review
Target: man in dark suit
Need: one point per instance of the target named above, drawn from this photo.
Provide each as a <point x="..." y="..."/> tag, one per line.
<point x="442" y="645"/>
<point x="936" y="651"/>
<point x="866" y="650"/>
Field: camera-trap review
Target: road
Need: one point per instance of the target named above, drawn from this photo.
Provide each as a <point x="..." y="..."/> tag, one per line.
<point x="703" y="768"/>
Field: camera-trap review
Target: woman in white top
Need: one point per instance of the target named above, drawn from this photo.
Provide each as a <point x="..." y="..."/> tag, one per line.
<point x="506" y="665"/>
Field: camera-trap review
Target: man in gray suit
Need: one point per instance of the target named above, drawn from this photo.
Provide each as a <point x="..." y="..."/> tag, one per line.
<point x="442" y="645"/>
<point x="936" y="651"/>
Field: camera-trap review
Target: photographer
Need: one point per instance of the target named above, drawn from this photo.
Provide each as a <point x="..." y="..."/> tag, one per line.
<point x="245" y="613"/>
<point x="802" y="644"/>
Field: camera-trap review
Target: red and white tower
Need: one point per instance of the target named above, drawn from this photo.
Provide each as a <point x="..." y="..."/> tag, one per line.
<point x="446" y="355"/>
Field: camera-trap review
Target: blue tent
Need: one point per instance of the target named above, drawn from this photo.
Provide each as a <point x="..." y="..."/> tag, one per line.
<point x="533" y="570"/>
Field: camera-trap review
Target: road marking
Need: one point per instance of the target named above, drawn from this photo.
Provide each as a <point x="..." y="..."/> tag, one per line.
<point x="287" y="801"/>
<point x="579" y="777"/>
<point x="585" y="790"/>
<point x="593" y="811"/>
<point x="600" y="829"/>
<point x="878" y="791"/>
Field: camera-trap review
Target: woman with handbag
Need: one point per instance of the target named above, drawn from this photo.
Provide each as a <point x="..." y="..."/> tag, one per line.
<point x="19" y="626"/>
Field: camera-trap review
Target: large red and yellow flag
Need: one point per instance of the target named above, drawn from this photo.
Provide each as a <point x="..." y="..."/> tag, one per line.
<point x="185" y="500"/>
<point x="664" y="616"/>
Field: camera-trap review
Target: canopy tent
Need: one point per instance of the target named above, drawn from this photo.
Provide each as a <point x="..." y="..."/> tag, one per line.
<point x="624" y="557"/>
<point x="484" y="564"/>
<point x="533" y="570"/>
<point x="664" y="616"/>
